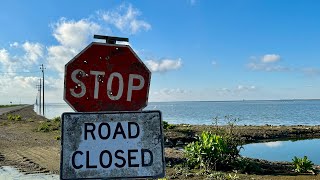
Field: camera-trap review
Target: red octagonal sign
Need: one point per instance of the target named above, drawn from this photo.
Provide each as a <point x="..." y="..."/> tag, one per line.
<point x="106" y="77"/>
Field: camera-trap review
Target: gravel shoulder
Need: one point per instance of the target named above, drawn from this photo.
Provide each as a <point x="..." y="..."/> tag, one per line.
<point x="30" y="151"/>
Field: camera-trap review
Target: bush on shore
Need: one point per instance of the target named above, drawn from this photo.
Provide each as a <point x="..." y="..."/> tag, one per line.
<point x="212" y="151"/>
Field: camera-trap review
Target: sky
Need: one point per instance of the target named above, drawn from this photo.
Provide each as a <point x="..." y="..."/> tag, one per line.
<point x="197" y="50"/>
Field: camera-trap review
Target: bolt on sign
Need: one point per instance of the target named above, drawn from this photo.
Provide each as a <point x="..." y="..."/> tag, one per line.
<point x="112" y="145"/>
<point x="106" y="77"/>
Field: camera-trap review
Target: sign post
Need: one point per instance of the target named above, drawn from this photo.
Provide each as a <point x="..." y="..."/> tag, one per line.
<point x="109" y="136"/>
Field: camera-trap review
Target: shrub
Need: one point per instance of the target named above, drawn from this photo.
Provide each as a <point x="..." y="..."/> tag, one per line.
<point x="212" y="151"/>
<point x="167" y="126"/>
<point x="302" y="165"/>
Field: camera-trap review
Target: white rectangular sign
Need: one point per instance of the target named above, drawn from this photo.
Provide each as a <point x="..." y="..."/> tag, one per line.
<point x="112" y="145"/>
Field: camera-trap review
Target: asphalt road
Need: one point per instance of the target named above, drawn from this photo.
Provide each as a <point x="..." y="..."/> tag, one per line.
<point x="9" y="109"/>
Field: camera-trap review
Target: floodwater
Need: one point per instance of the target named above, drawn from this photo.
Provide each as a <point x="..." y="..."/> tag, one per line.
<point x="284" y="150"/>
<point x="10" y="173"/>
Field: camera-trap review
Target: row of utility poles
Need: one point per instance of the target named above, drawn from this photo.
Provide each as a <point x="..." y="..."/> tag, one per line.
<point x="40" y="87"/>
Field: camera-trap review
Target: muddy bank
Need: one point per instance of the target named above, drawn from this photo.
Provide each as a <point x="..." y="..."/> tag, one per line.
<point x="23" y="147"/>
<point x="182" y="134"/>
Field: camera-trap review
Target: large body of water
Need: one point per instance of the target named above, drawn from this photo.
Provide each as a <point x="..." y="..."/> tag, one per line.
<point x="281" y="112"/>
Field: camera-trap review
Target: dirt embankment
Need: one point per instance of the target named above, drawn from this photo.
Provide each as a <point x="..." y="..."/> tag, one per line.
<point x="31" y="151"/>
<point x="182" y="134"/>
<point x="21" y="146"/>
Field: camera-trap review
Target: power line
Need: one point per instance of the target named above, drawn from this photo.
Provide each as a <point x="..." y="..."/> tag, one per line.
<point x="19" y="72"/>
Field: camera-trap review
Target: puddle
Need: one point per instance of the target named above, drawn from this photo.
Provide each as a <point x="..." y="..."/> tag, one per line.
<point x="11" y="173"/>
<point x="284" y="150"/>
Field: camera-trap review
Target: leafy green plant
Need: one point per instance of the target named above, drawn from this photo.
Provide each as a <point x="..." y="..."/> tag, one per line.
<point x="43" y="127"/>
<point x="167" y="126"/>
<point x="212" y="151"/>
<point x="302" y="165"/>
<point x="13" y="117"/>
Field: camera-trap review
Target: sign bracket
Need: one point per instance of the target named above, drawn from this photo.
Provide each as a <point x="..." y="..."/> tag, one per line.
<point x="111" y="39"/>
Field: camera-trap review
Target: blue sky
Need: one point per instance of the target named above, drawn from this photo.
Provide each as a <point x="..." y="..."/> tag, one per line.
<point x="196" y="49"/>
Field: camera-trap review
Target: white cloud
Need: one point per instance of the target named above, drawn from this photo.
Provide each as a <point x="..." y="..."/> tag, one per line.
<point x="167" y="91"/>
<point x="245" y="88"/>
<point x="163" y="65"/>
<point x="237" y="90"/>
<point x="16" y="88"/>
<point x="34" y="51"/>
<point x="8" y="63"/>
<point x="270" y="58"/>
<point x="267" y="63"/>
<point x="125" y="18"/>
<point x="58" y="56"/>
<point x="266" y="67"/>
<point x="75" y="34"/>
<point x="15" y="44"/>
<point x="71" y="36"/>
<point x="4" y="56"/>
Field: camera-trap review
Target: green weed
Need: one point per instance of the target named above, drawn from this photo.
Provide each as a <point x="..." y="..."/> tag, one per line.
<point x="302" y="165"/>
<point x="48" y="126"/>
<point x="212" y="151"/>
<point x="12" y="117"/>
<point x="44" y="127"/>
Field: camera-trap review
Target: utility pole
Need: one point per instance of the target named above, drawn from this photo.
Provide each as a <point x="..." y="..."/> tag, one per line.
<point x="42" y="68"/>
<point x="39" y="91"/>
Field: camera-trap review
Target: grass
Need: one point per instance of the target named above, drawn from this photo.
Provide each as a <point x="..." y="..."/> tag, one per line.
<point x="6" y="106"/>
<point x="12" y="117"/>
<point x="49" y="125"/>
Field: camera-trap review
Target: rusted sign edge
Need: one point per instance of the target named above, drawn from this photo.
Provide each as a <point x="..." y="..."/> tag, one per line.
<point x="162" y="174"/>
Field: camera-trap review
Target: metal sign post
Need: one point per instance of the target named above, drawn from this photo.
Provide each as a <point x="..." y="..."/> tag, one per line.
<point x="109" y="136"/>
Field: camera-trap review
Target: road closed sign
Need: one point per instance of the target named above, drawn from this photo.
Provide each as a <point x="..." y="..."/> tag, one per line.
<point x="110" y="145"/>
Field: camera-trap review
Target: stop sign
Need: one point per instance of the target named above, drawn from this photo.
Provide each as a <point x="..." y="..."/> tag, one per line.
<point x="106" y="77"/>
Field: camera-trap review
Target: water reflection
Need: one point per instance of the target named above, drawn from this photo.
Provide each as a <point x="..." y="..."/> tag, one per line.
<point x="7" y="172"/>
<point x="273" y="144"/>
<point x="284" y="150"/>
